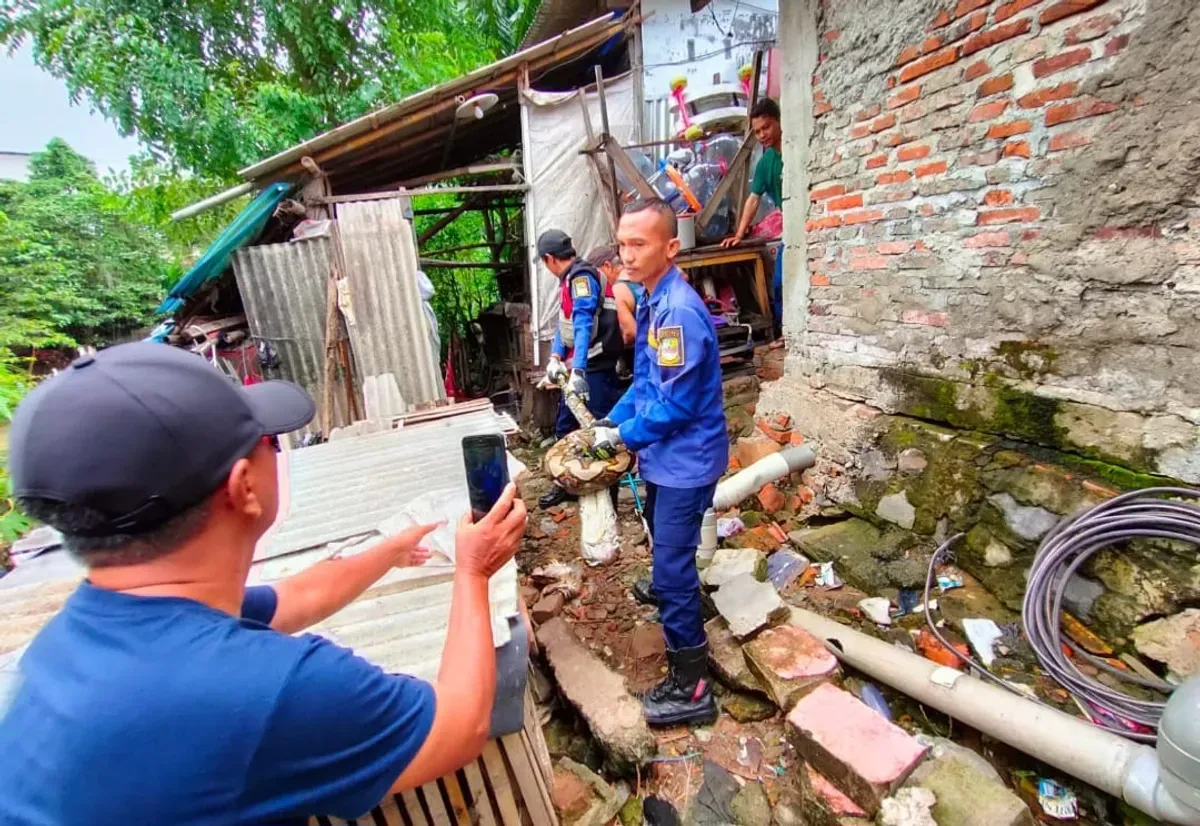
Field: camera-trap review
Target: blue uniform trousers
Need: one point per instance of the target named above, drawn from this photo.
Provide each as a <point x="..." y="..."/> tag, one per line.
<point x="605" y="391"/>
<point x="674" y="516"/>
<point x="777" y="293"/>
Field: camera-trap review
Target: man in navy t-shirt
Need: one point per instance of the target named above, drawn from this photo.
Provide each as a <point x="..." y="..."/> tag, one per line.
<point x="163" y="692"/>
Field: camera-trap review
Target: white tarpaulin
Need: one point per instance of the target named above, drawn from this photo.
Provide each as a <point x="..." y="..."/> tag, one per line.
<point x="564" y="189"/>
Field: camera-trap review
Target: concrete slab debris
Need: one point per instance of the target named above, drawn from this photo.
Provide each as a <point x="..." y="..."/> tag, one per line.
<point x="547" y="608"/>
<point x="823" y="804"/>
<point x="1173" y="640"/>
<point x="749" y="605"/>
<point x="728" y="563"/>
<point x="603" y="801"/>
<point x="599" y="694"/>
<point x="726" y="658"/>
<point x="966" y="795"/>
<point x="908" y="807"/>
<point x="790" y="662"/>
<point x="858" y="750"/>
<point x="1028" y="522"/>
<point x="895" y="508"/>
<point x="877" y="609"/>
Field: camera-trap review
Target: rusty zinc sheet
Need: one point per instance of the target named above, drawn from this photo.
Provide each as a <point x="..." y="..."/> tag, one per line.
<point x="383" y="312"/>
<point x="283" y="288"/>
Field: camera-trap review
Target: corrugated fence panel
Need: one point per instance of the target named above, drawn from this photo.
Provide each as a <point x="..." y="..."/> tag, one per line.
<point x="387" y="323"/>
<point x="283" y="288"/>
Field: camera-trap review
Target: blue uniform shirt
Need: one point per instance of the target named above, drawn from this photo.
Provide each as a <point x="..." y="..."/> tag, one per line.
<point x="163" y="710"/>
<point x="673" y="415"/>
<point x="582" y="296"/>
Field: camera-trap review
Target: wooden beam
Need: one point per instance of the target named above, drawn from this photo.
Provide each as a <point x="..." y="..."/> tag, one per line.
<point x="471" y="169"/>
<point x="630" y="170"/>
<point x="413" y="193"/>
<point x="441" y="223"/>
<point x="741" y="159"/>
<point x="612" y="169"/>
<point x="436" y="253"/>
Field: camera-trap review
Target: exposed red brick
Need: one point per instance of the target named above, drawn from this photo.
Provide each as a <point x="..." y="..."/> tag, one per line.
<point x="1007" y="130"/>
<point x="1115" y="45"/>
<point x="824" y="223"/>
<point x="987" y="239"/>
<point x="846" y="202"/>
<point x="1077" y="110"/>
<point x="860" y="130"/>
<point x="1010" y="215"/>
<point x="1068" y="140"/>
<point x="994" y="35"/>
<point x="868" y="262"/>
<point x="893" y="247"/>
<point x="1017" y="149"/>
<point x="987" y="111"/>
<point x="906" y="95"/>
<point x="977" y="69"/>
<point x="832" y="35"/>
<point x="1065" y="8"/>
<point x="1040" y="97"/>
<point x="871" y="111"/>
<point x="1095" y="26"/>
<point x="877" y="161"/>
<point x="914" y="111"/>
<point x="891" y="82"/>
<point x="943" y="19"/>
<point x="997" y="197"/>
<point x="908" y="54"/>
<point x="1007" y="10"/>
<point x="829" y="191"/>
<point x="995" y="85"/>
<point x="822" y="108"/>
<point x="913" y="153"/>
<point x="818" y="280"/>
<point x="965" y="7"/>
<point x="929" y="63"/>
<point x="931" y="44"/>
<point x="897" y="138"/>
<point x="885" y="122"/>
<point x="923" y="317"/>
<point x="934" y="168"/>
<point x="866" y="216"/>
<point x="1019" y="259"/>
<point x="897" y="177"/>
<point x="1061" y="62"/>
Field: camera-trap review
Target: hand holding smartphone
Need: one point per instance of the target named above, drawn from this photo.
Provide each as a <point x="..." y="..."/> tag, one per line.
<point x="494" y="533"/>
<point x="487" y="471"/>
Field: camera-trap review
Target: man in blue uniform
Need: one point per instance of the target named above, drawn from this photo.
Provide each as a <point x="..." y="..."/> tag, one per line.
<point x="673" y="418"/>
<point x="588" y="337"/>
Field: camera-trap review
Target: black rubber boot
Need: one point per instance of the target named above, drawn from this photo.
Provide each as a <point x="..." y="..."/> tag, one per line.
<point x="643" y="592"/>
<point x="685" y="696"/>
<point x="555" y="496"/>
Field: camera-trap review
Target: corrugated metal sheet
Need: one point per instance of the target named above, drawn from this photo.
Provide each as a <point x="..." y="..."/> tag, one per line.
<point x="347" y="487"/>
<point x="283" y="288"/>
<point x="386" y="321"/>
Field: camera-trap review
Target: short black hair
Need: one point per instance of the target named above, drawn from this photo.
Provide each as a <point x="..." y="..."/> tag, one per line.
<point x="656" y="205"/>
<point x="765" y="108"/>
<point x="603" y="255"/>
<point x="116" y="549"/>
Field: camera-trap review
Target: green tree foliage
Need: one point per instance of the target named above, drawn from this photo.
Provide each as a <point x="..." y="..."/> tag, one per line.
<point x="218" y="84"/>
<point x="74" y="269"/>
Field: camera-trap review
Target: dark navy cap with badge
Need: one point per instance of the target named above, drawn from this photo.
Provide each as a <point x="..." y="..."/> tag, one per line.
<point x="142" y="432"/>
<point x="555" y="242"/>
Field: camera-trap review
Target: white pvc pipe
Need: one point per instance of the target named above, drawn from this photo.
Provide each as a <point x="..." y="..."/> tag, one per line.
<point x="1113" y="764"/>
<point x="212" y="201"/>
<point x="765" y="470"/>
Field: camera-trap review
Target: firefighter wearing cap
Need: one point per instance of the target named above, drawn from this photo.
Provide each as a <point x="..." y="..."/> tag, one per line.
<point x="588" y="342"/>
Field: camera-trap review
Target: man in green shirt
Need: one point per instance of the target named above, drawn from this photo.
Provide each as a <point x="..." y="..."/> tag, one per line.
<point x="768" y="180"/>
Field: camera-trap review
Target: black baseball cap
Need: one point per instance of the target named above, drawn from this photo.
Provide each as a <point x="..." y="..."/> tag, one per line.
<point x="142" y="432"/>
<point x="555" y="242"/>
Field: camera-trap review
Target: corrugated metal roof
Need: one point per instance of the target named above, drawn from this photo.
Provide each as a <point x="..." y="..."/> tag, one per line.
<point x="555" y="16"/>
<point x="386" y="321"/>
<point x="283" y="289"/>
<point x="347" y="487"/>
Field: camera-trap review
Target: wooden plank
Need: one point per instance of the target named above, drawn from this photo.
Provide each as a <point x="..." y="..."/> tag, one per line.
<point x="543" y="780"/>
<point x="459" y="810"/>
<point x="612" y="169"/>
<point x="497" y="775"/>
<point x="412" y="193"/>
<point x="390" y="810"/>
<point x="437" y="806"/>
<point x="470" y="169"/>
<point x="534" y="732"/>
<point x="540" y="809"/>
<point x="479" y="796"/>
<point x="741" y="159"/>
<point x="412" y="805"/>
<point x="614" y="151"/>
<point x="732" y="256"/>
<point x="760" y="288"/>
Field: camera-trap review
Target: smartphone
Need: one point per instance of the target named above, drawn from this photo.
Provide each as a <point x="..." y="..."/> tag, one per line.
<point x="487" y="471"/>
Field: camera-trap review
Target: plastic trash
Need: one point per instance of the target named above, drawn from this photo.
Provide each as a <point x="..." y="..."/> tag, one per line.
<point x="728" y="526"/>
<point x="720" y="149"/>
<point x="948" y="582"/>
<point x="873" y="697"/>
<point x="828" y="578"/>
<point x="909" y="601"/>
<point x="982" y="634"/>
<point x="1057" y="800"/>
<point x="877" y="609"/>
<point x="784" y="567"/>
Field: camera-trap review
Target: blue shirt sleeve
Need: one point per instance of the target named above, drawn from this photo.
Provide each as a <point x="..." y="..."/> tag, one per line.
<point x="625" y="408"/>
<point x="673" y="400"/>
<point x="340" y="734"/>
<point x="557" y="347"/>
<point x="586" y="298"/>
<point x="259" y="603"/>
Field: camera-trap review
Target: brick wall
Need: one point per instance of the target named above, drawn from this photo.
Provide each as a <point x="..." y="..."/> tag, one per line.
<point x="1003" y="221"/>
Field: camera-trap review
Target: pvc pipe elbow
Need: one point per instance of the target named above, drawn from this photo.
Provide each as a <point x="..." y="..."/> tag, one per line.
<point x="1145" y="791"/>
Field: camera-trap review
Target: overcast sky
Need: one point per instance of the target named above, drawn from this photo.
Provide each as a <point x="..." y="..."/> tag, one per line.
<point x="38" y="108"/>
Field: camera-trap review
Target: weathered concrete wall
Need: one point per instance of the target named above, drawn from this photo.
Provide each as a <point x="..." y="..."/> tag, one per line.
<point x="678" y="43"/>
<point x="993" y="225"/>
<point x="1002" y="230"/>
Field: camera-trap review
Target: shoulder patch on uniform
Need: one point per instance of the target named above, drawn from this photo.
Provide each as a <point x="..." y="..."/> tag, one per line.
<point x="581" y="286"/>
<point x="670" y="347"/>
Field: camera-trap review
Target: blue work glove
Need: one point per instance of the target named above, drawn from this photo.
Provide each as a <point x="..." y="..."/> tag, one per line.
<point x="578" y="384"/>
<point x="556" y="371"/>
<point x="606" y="442"/>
